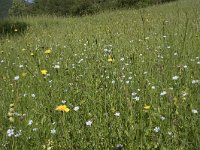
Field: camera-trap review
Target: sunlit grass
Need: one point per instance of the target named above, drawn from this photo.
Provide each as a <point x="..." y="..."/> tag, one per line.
<point x="124" y="79"/>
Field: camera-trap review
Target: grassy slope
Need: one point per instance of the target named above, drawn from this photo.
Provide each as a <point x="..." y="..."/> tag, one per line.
<point x="146" y="39"/>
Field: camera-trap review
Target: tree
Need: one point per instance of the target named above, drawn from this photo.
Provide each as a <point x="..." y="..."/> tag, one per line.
<point x="18" y="8"/>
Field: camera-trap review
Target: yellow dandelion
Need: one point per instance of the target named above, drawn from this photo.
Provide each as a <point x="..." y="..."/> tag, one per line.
<point x="32" y="54"/>
<point x="147" y="107"/>
<point x="113" y="109"/>
<point x="24" y="74"/>
<point x="110" y="60"/>
<point x="175" y="99"/>
<point x="62" y="108"/>
<point x="48" y="51"/>
<point x="11" y="119"/>
<point x="43" y="72"/>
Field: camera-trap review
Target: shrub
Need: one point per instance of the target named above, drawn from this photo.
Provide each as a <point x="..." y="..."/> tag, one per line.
<point x="86" y="7"/>
<point x="12" y="28"/>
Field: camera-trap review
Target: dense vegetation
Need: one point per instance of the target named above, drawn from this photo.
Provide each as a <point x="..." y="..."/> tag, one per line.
<point x="76" y="7"/>
<point x="127" y="79"/>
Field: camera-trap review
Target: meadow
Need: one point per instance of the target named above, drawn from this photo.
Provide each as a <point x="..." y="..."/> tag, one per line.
<point x="125" y="79"/>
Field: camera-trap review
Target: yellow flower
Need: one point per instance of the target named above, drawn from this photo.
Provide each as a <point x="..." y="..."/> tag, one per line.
<point x="32" y="54"/>
<point x="11" y="119"/>
<point x="113" y="109"/>
<point x="110" y="60"/>
<point x="62" y="108"/>
<point x="48" y="51"/>
<point x="43" y="72"/>
<point x="24" y="74"/>
<point x="147" y="107"/>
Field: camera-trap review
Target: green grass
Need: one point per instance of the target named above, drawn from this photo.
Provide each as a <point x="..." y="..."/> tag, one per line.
<point x="149" y="47"/>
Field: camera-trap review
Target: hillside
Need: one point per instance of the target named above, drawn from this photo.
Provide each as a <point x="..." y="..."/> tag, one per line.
<point x="125" y="79"/>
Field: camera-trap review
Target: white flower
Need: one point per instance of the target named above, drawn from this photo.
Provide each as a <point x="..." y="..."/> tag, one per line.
<point x="21" y="66"/>
<point x="80" y="61"/>
<point x="175" y="54"/>
<point x="109" y="51"/>
<point x="194" y="111"/>
<point x="30" y="122"/>
<point x="170" y="133"/>
<point x="35" y="129"/>
<point x="122" y="59"/>
<point x="19" y="133"/>
<point x="119" y="146"/>
<point x="198" y="62"/>
<point x="33" y="95"/>
<point x="184" y="93"/>
<point x="127" y="82"/>
<point x="145" y="72"/>
<point x="192" y="60"/>
<point x="76" y="108"/>
<point x="113" y="81"/>
<point x="88" y="123"/>
<point x="162" y="118"/>
<point x="56" y="66"/>
<point x="53" y="131"/>
<point x="133" y="93"/>
<point x="137" y="98"/>
<point x="185" y="66"/>
<point x="163" y="93"/>
<point x="105" y="50"/>
<point x="117" y="114"/>
<point x="195" y="81"/>
<point x="153" y="87"/>
<point x="126" y="64"/>
<point x="175" y="77"/>
<point x="156" y="129"/>
<point x="16" y="78"/>
<point x="10" y="132"/>
<point x="63" y="101"/>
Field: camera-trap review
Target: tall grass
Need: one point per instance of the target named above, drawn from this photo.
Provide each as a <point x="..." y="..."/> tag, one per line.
<point x="145" y="97"/>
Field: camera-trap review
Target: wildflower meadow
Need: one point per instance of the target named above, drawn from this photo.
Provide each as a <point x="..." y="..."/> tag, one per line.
<point x="123" y="79"/>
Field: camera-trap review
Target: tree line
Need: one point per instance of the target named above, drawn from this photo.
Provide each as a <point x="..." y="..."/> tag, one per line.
<point x="75" y="7"/>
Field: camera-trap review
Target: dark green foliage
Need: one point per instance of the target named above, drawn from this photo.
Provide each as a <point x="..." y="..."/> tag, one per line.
<point x="77" y="7"/>
<point x="139" y="3"/>
<point x="18" y="8"/>
<point x="12" y="28"/>
<point x="85" y="7"/>
<point x="125" y="3"/>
